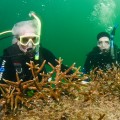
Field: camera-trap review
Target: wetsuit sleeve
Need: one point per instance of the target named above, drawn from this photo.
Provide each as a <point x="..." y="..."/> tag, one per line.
<point x="50" y="57"/>
<point x="8" y="66"/>
<point x="3" y="66"/>
<point x="87" y="65"/>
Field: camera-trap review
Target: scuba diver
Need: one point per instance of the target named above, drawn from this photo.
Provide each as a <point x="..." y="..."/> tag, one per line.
<point x="104" y="55"/>
<point x="26" y="47"/>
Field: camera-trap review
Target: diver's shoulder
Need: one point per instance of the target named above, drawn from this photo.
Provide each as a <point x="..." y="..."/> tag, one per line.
<point x="44" y="50"/>
<point x="13" y="46"/>
<point x="13" y="49"/>
<point x="94" y="51"/>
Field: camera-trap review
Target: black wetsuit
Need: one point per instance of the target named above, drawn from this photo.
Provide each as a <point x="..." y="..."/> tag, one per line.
<point x="96" y="59"/>
<point x="16" y="60"/>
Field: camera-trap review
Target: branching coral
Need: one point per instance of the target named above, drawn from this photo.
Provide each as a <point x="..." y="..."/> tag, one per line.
<point x="58" y="92"/>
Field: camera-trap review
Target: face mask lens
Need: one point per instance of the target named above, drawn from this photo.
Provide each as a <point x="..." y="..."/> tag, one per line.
<point x="35" y="40"/>
<point x="25" y="39"/>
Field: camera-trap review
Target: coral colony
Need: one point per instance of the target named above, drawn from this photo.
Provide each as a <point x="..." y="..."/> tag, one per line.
<point x="62" y="96"/>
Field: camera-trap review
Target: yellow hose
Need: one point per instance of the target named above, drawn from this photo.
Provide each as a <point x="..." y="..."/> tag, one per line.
<point x="9" y="31"/>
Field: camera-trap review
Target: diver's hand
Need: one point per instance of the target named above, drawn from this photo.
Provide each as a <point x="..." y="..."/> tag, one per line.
<point x="86" y="81"/>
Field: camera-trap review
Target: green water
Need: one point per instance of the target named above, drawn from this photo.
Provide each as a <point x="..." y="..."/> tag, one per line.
<point x="69" y="27"/>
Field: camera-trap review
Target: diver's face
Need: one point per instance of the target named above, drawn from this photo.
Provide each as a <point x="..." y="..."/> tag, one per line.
<point x="28" y="42"/>
<point x="104" y="44"/>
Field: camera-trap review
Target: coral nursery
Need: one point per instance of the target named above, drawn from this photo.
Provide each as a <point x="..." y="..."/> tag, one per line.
<point x="62" y="96"/>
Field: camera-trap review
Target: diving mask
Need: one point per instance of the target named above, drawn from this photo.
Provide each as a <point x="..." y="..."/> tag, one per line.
<point x="24" y="40"/>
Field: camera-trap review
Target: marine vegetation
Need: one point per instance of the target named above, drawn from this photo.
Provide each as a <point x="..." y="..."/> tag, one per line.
<point x="62" y="96"/>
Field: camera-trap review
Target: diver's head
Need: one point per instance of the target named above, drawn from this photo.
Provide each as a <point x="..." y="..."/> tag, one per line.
<point x="103" y="42"/>
<point x="26" y="35"/>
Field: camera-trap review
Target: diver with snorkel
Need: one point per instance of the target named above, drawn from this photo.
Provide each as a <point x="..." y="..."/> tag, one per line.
<point x="104" y="55"/>
<point x="26" y="47"/>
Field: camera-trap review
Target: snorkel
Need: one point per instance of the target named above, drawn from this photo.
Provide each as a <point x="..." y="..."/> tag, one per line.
<point x="112" y="35"/>
<point x="32" y="14"/>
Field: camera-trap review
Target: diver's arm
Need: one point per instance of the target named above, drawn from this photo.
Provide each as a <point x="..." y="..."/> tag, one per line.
<point x="50" y="57"/>
<point x="87" y="65"/>
<point x="8" y="67"/>
<point x="3" y="66"/>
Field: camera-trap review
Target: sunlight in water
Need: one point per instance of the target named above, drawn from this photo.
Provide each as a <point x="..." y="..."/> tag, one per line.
<point x="104" y="12"/>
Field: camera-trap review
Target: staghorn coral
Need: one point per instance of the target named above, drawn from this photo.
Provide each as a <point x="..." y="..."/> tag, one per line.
<point x="62" y="96"/>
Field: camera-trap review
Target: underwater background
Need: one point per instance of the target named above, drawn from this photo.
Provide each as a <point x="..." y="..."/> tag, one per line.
<point x="69" y="27"/>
